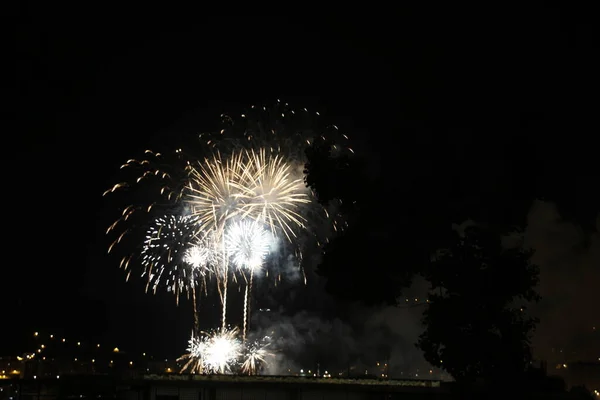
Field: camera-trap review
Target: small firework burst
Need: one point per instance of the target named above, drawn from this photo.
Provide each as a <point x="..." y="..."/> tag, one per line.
<point x="163" y="253"/>
<point x="247" y="243"/>
<point x="256" y="355"/>
<point x="203" y="254"/>
<point x="214" y="352"/>
<point x="193" y="358"/>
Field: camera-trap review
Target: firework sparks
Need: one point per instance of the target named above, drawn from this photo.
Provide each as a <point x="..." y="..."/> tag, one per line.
<point x="163" y="253"/>
<point x="247" y="243"/>
<point x="202" y="255"/>
<point x="216" y="352"/>
<point x="193" y="358"/>
<point x="275" y="196"/>
<point x="255" y="356"/>
<point x="252" y="184"/>
<point x="214" y="190"/>
<point x="222" y="351"/>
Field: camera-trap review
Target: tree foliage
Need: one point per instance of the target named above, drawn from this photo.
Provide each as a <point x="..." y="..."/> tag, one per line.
<point x="476" y="324"/>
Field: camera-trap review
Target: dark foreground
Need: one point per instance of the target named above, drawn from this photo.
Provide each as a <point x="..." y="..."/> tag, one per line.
<point x="194" y="387"/>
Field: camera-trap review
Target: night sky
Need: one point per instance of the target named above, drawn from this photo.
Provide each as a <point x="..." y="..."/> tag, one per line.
<point x="91" y="94"/>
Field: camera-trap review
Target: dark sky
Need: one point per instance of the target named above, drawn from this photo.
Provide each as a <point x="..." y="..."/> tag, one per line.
<point x="91" y="93"/>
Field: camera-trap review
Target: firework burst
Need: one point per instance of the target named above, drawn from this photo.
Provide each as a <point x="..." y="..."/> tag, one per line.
<point x="192" y="360"/>
<point x="256" y="355"/>
<point x="275" y="195"/>
<point x="213" y="352"/>
<point x="247" y="244"/>
<point x="202" y="254"/>
<point x="163" y="255"/>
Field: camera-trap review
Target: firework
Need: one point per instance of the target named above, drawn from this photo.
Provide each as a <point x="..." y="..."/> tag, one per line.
<point x="202" y="255"/>
<point x="224" y="204"/>
<point x="249" y="184"/>
<point x="214" y="190"/>
<point x="279" y="127"/>
<point x="164" y="253"/>
<point x="214" y="352"/>
<point x="247" y="243"/>
<point x="274" y="194"/>
<point x="222" y="351"/>
<point x="256" y="355"/>
<point x="193" y="358"/>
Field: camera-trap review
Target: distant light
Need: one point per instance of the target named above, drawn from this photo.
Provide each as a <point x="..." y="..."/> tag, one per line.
<point x="57" y="376"/>
<point x="35" y="334"/>
<point x="130" y="362"/>
<point x="93" y="360"/>
<point x="98" y="345"/>
<point x="144" y="354"/>
<point x="35" y="377"/>
<point x="43" y="347"/>
<point x="64" y="340"/>
<point x="51" y="336"/>
<point x="78" y="343"/>
<point x="75" y="358"/>
<point x="116" y="350"/>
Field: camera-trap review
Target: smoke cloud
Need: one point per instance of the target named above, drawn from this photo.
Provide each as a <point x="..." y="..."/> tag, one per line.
<point x="569" y="262"/>
<point x="342" y="339"/>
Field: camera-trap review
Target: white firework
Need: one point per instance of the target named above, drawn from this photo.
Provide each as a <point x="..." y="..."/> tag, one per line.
<point x="221" y="351"/>
<point x="248" y="244"/>
<point x="163" y="253"/>
<point x="203" y="253"/>
<point x="256" y="356"/>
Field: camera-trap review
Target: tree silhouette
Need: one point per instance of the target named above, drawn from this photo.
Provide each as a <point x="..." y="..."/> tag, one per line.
<point x="398" y="219"/>
<point x="476" y="321"/>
